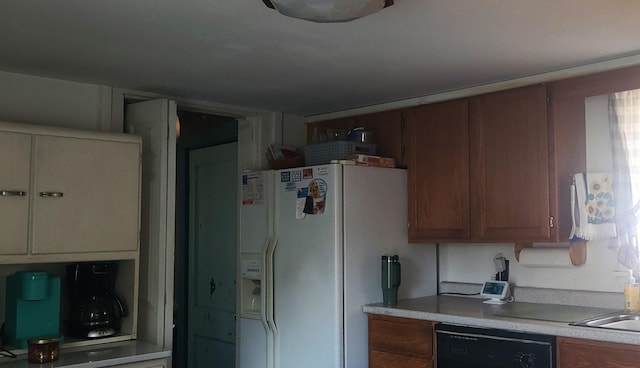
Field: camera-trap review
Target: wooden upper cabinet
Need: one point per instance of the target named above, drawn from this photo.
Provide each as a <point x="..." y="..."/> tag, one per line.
<point x="438" y="170"/>
<point x="489" y="168"/>
<point x="480" y="169"/>
<point x="509" y="151"/>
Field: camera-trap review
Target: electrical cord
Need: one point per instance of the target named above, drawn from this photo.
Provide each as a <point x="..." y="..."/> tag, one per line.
<point x="3" y="351"/>
<point x="465" y="294"/>
<point x="510" y="299"/>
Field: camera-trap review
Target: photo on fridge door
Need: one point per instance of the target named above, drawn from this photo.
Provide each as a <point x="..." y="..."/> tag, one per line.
<point x="315" y="199"/>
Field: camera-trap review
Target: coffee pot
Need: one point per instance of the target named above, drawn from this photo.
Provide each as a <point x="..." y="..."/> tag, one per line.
<point x="96" y="309"/>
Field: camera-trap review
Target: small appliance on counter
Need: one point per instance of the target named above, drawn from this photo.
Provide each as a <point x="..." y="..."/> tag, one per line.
<point x="96" y="311"/>
<point x="32" y="307"/>
<point x="390" y="279"/>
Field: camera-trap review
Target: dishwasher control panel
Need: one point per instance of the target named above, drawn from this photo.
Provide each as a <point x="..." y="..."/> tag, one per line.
<point x="464" y="346"/>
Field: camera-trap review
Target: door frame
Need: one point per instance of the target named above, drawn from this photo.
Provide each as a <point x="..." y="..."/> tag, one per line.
<point x="182" y="239"/>
<point x="256" y="130"/>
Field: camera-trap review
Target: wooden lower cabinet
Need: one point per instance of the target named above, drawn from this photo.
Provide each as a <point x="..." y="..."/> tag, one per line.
<point x="400" y="342"/>
<point x="582" y="353"/>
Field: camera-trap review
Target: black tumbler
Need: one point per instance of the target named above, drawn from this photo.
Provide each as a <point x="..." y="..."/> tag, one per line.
<point x="390" y="279"/>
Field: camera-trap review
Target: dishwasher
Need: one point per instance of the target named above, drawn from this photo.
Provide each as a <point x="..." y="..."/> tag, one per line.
<point x="474" y="347"/>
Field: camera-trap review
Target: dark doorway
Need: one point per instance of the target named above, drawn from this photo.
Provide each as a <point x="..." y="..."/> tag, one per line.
<point x="197" y="130"/>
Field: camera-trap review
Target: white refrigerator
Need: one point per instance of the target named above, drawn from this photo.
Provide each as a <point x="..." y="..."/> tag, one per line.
<point x="310" y="247"/>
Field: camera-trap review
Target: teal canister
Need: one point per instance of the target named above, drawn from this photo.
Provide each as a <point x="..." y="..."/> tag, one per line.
<point x="33" y="285"/>
<point x="390" y="279"/>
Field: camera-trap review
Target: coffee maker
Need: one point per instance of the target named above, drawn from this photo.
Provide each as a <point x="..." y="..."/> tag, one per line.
<point x="95" y="309"/>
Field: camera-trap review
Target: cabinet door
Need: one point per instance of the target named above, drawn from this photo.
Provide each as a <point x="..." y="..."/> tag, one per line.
<point x="579" y="353"/>
<point x="400" y="342"/>
<point x="438" y="176"/>
<point x="15" y="166"/>
<point x="383" y="359"/>
<point x="86" y="195"/>
<point x="510" y="165"/>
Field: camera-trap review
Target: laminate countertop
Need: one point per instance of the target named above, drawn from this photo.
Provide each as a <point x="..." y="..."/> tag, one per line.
<point x="550" y="319"/>
<point x="96" y="356"/>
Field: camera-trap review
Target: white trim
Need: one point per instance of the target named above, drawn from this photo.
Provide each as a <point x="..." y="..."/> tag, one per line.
<point x="193" y="104"/>
<point x="486" y="88"/>
<point x="105" y="111"/>
<point x="266" y="125"/>
<point x="166" y="322"/>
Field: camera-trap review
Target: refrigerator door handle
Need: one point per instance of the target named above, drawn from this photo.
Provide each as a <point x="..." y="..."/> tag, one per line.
<point x="268" y="282"/>
<point x="268" y="316"/>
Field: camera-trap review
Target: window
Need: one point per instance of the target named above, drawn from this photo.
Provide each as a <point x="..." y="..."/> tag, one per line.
<point x="625" y="134"/>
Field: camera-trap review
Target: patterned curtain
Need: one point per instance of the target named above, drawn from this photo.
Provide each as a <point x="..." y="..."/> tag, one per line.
<point x="624" y="131"/>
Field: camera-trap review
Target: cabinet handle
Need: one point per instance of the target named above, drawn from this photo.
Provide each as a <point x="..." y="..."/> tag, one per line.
<point x="51" y="194"/>
<point x="12" y="193"/>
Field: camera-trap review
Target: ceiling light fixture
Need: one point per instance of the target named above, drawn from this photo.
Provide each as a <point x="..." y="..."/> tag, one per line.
<point x="326" y="11"/>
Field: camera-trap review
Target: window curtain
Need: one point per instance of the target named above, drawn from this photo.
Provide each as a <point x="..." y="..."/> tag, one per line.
<point x="624" y="131"/>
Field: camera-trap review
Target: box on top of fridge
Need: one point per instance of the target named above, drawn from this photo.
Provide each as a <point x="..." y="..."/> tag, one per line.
<point x="369" y="160"/>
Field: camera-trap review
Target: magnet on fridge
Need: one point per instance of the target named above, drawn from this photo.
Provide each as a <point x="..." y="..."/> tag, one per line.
<point x="307" y="173"/>
<point x="301" y="198"/>
<point x="285" y="176"/>
<point x="315" y="200"/>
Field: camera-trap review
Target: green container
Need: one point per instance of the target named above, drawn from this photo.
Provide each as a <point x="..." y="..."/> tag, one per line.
<point x="33" y="285"/>
<point x="32" y="307"/>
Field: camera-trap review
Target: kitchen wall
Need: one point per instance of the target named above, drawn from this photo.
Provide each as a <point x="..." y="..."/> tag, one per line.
<point x="36" y="100"/>
<point x="473" y="263"/>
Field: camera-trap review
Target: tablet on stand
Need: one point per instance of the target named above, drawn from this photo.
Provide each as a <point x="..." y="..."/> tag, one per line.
<point x="496" y="291"/>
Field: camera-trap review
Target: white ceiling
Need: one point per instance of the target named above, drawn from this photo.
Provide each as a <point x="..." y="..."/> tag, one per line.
<point x="239" y="52"/>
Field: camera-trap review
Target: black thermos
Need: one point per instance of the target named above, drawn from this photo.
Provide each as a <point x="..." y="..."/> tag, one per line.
<point x="390" y="279"/>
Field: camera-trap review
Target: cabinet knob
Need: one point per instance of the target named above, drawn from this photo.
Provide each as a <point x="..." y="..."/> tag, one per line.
<point x="51" y="194"/>
<point x="12" y="193"/>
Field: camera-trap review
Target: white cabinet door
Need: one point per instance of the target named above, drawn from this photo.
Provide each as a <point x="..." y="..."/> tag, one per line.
<point x="85" y="195"/>
<point x="15" y="164"/>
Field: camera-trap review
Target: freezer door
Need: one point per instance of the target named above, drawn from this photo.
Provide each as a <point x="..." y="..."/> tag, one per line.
<point x="255" y="211"/>
<point x="307" y="268"/>
<point x="253" y="344"/>
<point x="255" y="340"/>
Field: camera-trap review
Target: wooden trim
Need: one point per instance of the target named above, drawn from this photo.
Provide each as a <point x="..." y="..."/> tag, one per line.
<point x="598" y="84"/>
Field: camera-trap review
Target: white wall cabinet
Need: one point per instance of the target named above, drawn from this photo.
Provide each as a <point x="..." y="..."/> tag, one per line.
<point x="69" y="196"/>
<point x="15" y="161"/>
<point x="67" y="193"/>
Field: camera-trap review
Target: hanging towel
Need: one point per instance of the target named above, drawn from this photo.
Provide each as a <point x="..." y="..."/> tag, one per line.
<point x="593" y="207"/>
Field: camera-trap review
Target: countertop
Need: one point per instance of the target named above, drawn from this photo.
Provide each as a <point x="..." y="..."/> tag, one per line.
<point x="103" y="355"/>
<point x="516" y="316"/>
